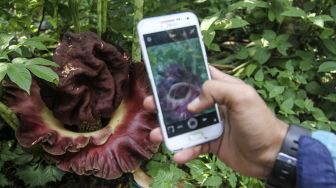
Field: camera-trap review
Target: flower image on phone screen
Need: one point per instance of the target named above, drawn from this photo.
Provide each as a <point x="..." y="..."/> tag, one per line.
<point x="179" y="72"/>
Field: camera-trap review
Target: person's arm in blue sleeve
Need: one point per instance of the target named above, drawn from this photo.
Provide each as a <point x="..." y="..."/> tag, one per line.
<point x="253" y="135"/>
<point x="317" y="160"/>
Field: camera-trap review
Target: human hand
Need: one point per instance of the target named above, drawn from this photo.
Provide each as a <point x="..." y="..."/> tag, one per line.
<point x="252" y="134"/>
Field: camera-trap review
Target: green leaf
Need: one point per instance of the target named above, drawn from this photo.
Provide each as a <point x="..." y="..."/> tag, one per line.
<point x="18" y="74"/>
<point x="154" y="167"/>
<point x="331" y="97"/>
<point x="15" y="48"/>
<point x="262" y="55"/>
<point x="327" y="66"/>
<point x="333" y="11"/>
<point x="242" y="54"/>
<point x="38" y="175"/>
<point x="320" y="20"/>
<point x="35" y="44"/>
<point x="4" y="40"/>
<point x="213" y="181"/>
<point x="319" y="115"/>
<point x="274" y="91"/>
<point x="42" y="61"/>
<point x="248" y="4"/>
<point x="235" y="23"/>
<point x="168" y="179"/>
<point x="250" y="69"/>
<point x="197" y="169"/>
<point x="330" y="44"/>
<point x="287" y="106"/>
<point x="208" y="22"/>
<point x="269" y="35"/>
<point x="233" y="180"/>
<point x="44" y="73"/>
<point x="3" y="180"/>
<point x="259" y="76"/>
<point x="294" y="12"/>
<point x="208" y="37"/>
<point x="19" y="60"/>
<point x="313" y="88"/>
<point x="3" y="70"/>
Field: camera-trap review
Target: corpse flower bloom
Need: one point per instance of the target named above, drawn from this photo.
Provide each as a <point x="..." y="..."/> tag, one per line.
<point x="93" y="122"/>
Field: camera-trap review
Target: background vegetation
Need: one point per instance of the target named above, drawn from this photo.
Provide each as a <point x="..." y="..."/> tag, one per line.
<point x="286" y="49"/>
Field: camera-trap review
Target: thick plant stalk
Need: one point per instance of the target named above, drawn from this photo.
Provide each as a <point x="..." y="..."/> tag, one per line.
<point x="102" y="16"/>
<point x="9" y="116"/>
<point x="56" y="15"/>
<point x="73" y="5"/>
<point x="138" y="15"/>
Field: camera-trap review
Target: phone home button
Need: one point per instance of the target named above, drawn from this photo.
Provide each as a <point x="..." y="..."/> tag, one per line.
<point x="196" y="136"/>
<point x="192" y="123"/>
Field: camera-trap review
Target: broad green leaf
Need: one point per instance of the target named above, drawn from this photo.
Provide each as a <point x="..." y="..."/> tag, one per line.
<point x="331" y="97"/>
<point x="233" y="180"/>
<point x="39" y="175"/>
<point x="19" y="60"/>
<point x="276" y="91"/>
<point x="15" y="48"/>
<point x="197" y="169"/>
<point x="168" y="179"/>
<point x="18" y="74"/>
<point x="262" y="55"/>
<point x="333" y="11"/>
<point x="320" y="20"/>
<point x="250" y="69"/>
<point x="269" y="35"/>
<point x="330" y="44"/>
<point x="214" y="47"/>
<point x="44" y="73"/>
<point x="213" y="181"/>
<point x="242" y="54"/>
<point x="235" y="23"/>
<point x="4" y="40"/>
<point x="208" y="21"/>
<point x="248" y="4"/>
<point x="313" y="88"/>
<point x="3" y="70"/>
<point x="259" y="76"/>
<point x="42" y="61"/>
<point x="294" y="12"/>
<point x="208" y="37"/>
<point x="300" y="103"/>
<point x="327" y="33"/>
<point x="319" y="115"/>
<point x="154" y="167"/>
<point x="3" y="180"/>
<point x="35" y="44"/>
<point x="287" y="106"/>
<point x="327" y="66"/>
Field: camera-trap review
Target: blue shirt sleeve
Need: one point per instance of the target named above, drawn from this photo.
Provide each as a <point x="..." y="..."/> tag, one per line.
<point x="315" y="165"/>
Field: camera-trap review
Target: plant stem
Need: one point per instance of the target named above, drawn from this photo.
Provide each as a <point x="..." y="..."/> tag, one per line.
<point x="73" y="5"/>
<point x="138" y="15"/>
<point x="102" y="16"/>
<point x="9" y="116"/>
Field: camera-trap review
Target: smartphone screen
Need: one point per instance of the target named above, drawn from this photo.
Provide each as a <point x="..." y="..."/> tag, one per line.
<point x="179" y="71"/>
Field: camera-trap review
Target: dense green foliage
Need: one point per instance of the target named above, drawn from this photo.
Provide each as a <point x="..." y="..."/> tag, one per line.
<point x="286" y="49"/>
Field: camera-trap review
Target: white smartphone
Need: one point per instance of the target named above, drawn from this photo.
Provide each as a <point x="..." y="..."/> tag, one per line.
<point x="176" y="62"/>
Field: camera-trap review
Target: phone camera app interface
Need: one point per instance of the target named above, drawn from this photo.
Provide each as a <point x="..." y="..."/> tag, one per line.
<point x="179" y="72"/>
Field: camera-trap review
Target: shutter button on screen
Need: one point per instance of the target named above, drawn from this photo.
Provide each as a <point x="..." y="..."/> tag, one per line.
<point x="192" y="123"/>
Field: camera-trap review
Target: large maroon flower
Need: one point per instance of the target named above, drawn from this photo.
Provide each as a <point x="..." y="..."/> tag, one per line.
<point x="93" y="122"/>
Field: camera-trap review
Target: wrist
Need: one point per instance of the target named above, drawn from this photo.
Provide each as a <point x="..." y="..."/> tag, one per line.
<point x="275" y="147"/>
<point x="283" y="173"/>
